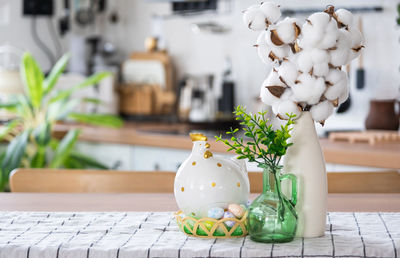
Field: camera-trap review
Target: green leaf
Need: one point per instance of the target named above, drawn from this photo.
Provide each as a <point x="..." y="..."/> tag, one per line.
<point x="42" y="134"/>
<point x="91" y="81"/>
<point x="8" y="106"/>
<point x="87" y="161"/>
<point x="14" y="153"/>
<point x="6" y="129"/>
<point x="93" y="100"/>
<point x="55" y="73"/>
<point x="64" y="148"/>
<point x="32" y="77"/>
<point x="39" y="160"/>
<point x="97" y="119"/>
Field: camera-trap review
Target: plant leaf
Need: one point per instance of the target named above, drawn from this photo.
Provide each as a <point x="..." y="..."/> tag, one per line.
<point x="55" y="73"/>
<point x="87" y="161"/>
<point x="39" y="160"/>
<point x="14" y="153"/>
<point x="64" y="148"/>
<point x="32" y="77"/>
<point x="97" y="119"/>
<point x="93" y="100"/>
<point x="6" y="129"/>
<point x="91" y="81"/>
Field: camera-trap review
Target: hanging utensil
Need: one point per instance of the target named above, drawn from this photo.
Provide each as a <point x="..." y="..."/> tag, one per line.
<point x="360" y="74"/>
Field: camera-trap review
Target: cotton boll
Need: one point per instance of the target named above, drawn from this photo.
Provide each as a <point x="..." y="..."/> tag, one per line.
<point x="303" y="88"/>
<point x="339" y="56"/>
<point x="330" y="36"/>
<point x="357" y="41"/>
<point x="287" y="30"/>
<point x="319" y="56"/>
<point x="308" y="89"/>
<point x="279" y="53"/>
<point x="335" y="91"/>
<point x="288" y="107"/>
<point x="266" y="95"/>
<point x="335" y="75"/>
<point x="321" y="111"/>
<point x="288" y="72"/>
<point x="271" y="11"/>
<point x="317" y="91"/>
<point x="254" y="19"/>
<point x="321" y="69"/>
<point x="344" y="17"/>
<point x="319" y="19"/>
<point x="262" y="49"/>
<point x="304" y="61"/>
<point x="310" y="36"/>
<point x="273" y="80"/>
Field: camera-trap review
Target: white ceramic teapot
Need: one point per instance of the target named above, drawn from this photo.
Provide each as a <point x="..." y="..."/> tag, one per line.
<point x="206" y="181"/>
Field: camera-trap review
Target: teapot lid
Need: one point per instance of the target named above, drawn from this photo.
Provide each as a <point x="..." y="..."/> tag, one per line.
<point x="198" y="137"/>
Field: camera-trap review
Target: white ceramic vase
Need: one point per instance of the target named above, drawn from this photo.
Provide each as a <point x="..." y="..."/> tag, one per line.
<point x="305" y="159"/>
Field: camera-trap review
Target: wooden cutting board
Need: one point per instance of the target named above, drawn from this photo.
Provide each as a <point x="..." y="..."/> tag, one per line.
<point x="370" y="136"/>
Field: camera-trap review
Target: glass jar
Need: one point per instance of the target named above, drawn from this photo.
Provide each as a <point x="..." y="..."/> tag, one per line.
<point x="272" y="217"/>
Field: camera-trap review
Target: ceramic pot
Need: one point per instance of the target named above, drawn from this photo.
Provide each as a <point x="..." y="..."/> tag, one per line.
<point x="306" y="161"/>
<point x="382" y="115"/>
<point x="204" y="181"/>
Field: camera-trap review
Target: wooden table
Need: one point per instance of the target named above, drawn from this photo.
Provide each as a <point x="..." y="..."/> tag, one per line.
<point x="166" y="202"/>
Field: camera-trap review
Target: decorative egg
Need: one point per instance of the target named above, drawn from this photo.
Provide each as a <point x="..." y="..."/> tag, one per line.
<point x="229" y="223"/>
<point x="215" y="213"/>
<point x="204" y="181"/>
<point x="237" y="210"/>
<point x="208" y="224"/>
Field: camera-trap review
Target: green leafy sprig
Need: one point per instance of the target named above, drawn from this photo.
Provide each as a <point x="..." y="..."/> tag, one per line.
<point x="267" y="146"/>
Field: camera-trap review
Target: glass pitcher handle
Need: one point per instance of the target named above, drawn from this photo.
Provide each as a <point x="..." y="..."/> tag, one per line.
<point x="293" y="180"/>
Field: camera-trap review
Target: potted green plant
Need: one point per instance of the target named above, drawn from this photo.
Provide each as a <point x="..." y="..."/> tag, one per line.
<point x="30" y="134"/>
<point x="272" y="216"/>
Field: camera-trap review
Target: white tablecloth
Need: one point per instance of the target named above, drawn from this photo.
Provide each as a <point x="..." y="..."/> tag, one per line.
<point x="112" y="235"/>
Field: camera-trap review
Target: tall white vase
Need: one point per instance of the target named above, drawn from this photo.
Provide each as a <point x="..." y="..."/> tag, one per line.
<point x="305" y="159"/>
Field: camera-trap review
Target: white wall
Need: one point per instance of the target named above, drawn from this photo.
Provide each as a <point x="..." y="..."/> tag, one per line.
<point x="205" y="53"/>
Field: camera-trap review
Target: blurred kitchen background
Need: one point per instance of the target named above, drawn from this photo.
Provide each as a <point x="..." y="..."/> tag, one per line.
<point x="184" y="64"/>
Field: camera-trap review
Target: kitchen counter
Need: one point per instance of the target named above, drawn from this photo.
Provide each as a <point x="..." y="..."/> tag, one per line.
<point x="382" y="155"/>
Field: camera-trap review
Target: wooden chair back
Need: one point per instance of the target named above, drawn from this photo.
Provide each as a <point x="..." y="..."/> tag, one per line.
<point x="106" y="181"/>
<point x="90" y="181"/>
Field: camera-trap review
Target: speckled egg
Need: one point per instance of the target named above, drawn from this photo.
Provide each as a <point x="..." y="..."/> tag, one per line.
<point x="215" y="213"/>
<point x="237" y="210"/>
<point x="229" y="223"/>
<point x="204" y="180"/>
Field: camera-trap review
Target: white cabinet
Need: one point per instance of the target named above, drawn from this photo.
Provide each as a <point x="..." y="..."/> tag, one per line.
<point x="115" y="156"/>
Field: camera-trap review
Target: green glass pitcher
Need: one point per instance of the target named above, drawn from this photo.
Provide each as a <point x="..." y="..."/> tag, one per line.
<point x="272" y="217"/>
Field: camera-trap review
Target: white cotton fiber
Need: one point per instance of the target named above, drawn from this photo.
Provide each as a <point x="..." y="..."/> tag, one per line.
<point x="345" y="17"/>
<point x="319" y="19"/>
<point x="308" y="89"/>
<point x="288" y="107"/>
<point x="273" y="80"/>
<point x="266" y="96"/>
<point x="271" y="11"/>
<point x="288" y="72"/>
<point x="321" y="111"/>
<point x="330" y="36"/>
<point x="310" y="36"/>
<point x="287" y="30"/>
<point x="339" y="56"/>
<point x="335" y="75"/>
<point x="304" y="61"/>
<point x="319" y="56"/>
<point x="321" y="69"/>
<point x="357" y="41"/>
<point x="280" y="52"/>
<point x="262" y="49"/>
<point x="254" y="18"/>
<point x="335" y="91"/>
